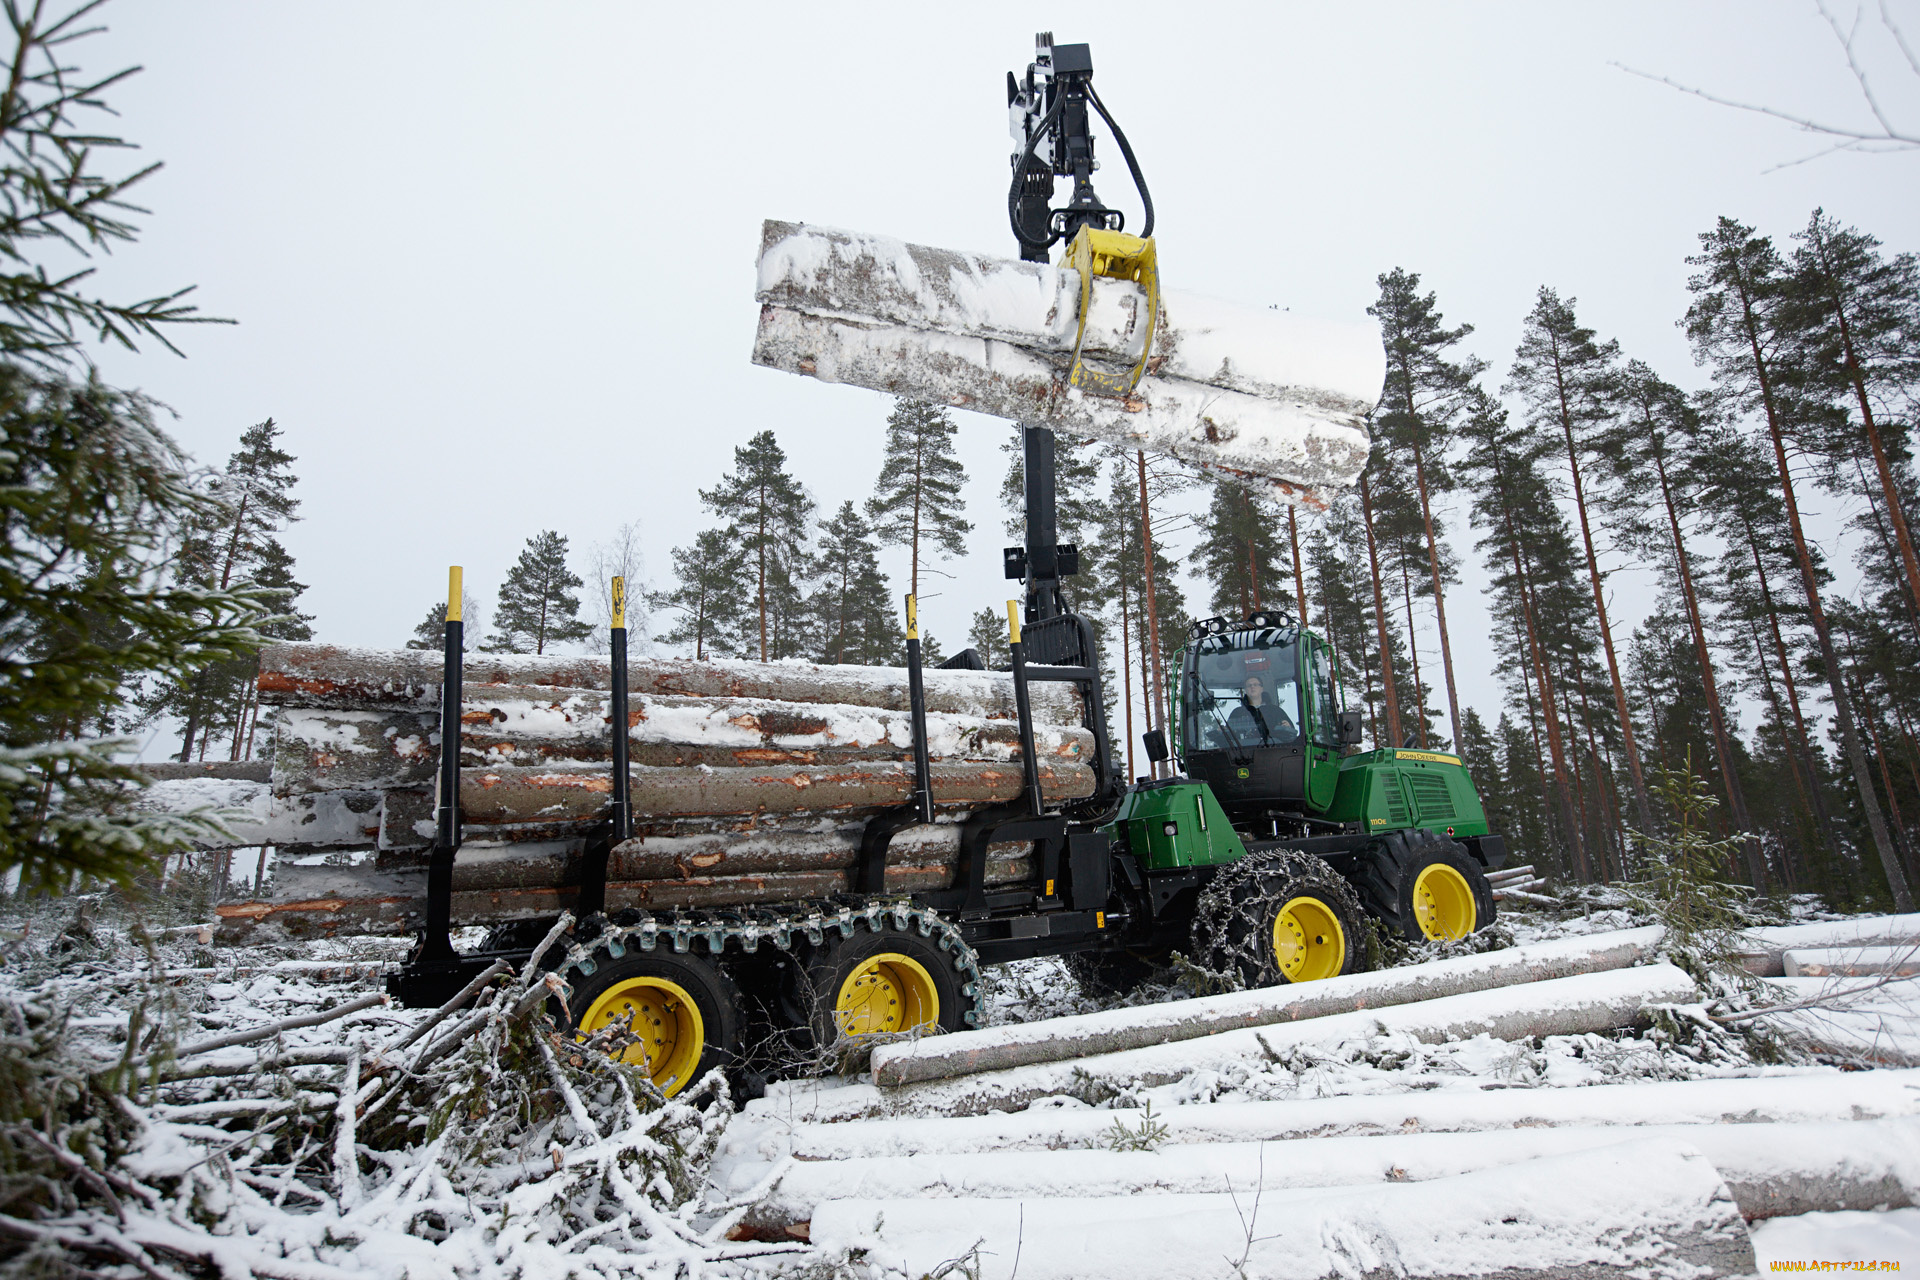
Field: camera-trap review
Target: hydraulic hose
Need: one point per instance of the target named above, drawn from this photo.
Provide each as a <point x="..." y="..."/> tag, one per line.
<point x="1133" y="166"/>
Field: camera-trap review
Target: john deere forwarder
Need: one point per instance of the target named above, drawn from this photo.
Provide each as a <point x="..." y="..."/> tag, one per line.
<point x="1263" y="855"/>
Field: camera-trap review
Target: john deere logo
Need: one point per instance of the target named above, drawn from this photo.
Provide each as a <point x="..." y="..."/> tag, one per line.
<point x="1243" y="773"/>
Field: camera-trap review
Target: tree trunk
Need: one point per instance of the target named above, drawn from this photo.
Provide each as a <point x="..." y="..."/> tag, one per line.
<point x="1641" y="804"/>
<point x="1153" y="613"/>
<point x="1836" y="681"/>
<point x="1575" y="844"/>
<point x="1126" y="671"/>
<point x="1722" y="740"/>
<point x="1795" y="766"/>
<point x="1857" y="376"/>
<point x="1299" y="576"/>
<point x="1439" y="596"/>
<point x="1413" y="652"/>
<point x="1380" y="618"/>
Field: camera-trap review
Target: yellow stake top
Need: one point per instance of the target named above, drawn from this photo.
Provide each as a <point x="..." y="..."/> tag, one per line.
<point x="913" y="619"/>
<point x="1013" y="621"/>
<point x="619" y="604"/>
<point x="453" y="593"/>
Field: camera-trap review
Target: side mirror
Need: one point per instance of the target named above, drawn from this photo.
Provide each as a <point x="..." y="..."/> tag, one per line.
<point x="1155" y="741"/>
<point x="1350" y="728"/>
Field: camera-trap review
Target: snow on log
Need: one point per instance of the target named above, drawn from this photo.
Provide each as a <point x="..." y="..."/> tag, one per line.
<point x="1054" y="1039"/>
<point x="326" y="900"/>
<point x="1771" y="1169"/>
<point x="253" y="816"/>
<point x="1577" y="1005"/>
<point x="1246" y="391"/>
<point x="1851" y="962"/>
<point x="324" y="675"/>
<point x="1820" y="1095"/>
<point x="327" y="749"/>
<point x="1648" y="1207"/>
<point x="1766" y="948"/>
<point x="555" y="795"/>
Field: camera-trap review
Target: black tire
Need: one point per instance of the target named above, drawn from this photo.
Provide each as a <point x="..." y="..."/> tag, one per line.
<point x="642" y="985"/>
<point x="1239" y="930"/>
<point x="1390" y="881"/>
<point x="884" y="978"/>
<point x="1103" y="974"/>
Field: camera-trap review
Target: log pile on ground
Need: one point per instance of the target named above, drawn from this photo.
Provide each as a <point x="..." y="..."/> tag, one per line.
<point x="1074" y="1145"/>
<point x="751" y="781"/>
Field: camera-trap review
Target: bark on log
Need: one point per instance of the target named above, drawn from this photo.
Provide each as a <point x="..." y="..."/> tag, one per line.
<point x="1654" y="1203"/>
<point x="547" y="795"/>
<point x="1771" y="1169"/>
<point x="819" y="1133"/>
<point x="1056" y="1039"/>
<point x="223" y="770"/>
<point x="397" y="904"/>
<point x="321" y="749"/>
<point x="1593" y="1002"/>
<point x="334" y="676"/>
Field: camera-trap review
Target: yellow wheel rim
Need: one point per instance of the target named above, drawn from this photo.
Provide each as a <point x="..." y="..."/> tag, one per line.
<point x="667" y="1021"/>
<point x="1443" y="903"/>
<point x="889" y="992"/>
<point x="1308" y="942"/>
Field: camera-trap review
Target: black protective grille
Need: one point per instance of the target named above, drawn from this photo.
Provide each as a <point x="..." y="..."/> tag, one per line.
<point x="1396" y="801"/>
<point x="1431" y="794"/>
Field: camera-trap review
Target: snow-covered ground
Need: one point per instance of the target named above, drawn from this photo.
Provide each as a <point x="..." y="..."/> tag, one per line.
<point x="1676" y="1146"/>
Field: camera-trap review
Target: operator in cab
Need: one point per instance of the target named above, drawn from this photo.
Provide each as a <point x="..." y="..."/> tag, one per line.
<point x="1257" y="722"/>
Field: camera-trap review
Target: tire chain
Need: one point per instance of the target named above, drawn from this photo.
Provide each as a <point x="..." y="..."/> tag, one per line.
<point x="1228" y="942"/>
<point x="781" y="927"/>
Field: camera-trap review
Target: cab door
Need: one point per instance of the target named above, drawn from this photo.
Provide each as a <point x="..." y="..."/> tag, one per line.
<point x="1321" y="704"/>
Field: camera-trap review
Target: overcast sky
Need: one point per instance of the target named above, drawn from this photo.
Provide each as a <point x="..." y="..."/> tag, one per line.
<point x="493" y="263"/>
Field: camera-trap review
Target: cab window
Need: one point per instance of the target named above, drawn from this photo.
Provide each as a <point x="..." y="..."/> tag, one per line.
<point x="1326" y="705"/>
<point x="1243" y="691"/>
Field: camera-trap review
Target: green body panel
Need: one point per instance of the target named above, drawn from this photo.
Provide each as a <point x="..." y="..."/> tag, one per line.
<point x="1390" y="790"/>
<point x="1201" y="835"/>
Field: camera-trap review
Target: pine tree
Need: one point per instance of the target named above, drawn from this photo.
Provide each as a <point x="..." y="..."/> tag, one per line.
<point x="917" y="500"/>
<point x="768" y="511"/>
<point x="1735" y="326"/>
<point x="1568" y="381"/>
<point x="1239" y="552"/>
<point x="431" y="633"/>
<point x="1423" y="398"/>
<point x="537" y="605"/>
<point x="987" y="636"/>
<point x="1528" y="553"/>
<point x="95" y="499"/>
<point x="707" y="595"/>
<point x="1648" y="459"/>
<point x="853" y="607"/>
<point x="232" y="544"/>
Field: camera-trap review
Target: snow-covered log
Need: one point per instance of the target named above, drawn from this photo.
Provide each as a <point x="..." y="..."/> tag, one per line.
<point x="1563" y="1006"/>
<point x="513" y="882"/>
<point x="253" y="816"/>
<point x="1055" y="1039"/>
<point x="1650" y="1207"/>
<point x="1766" y="948"/>
<point x="1771" y="1169"/>
<point x="1246" y="391"/>
<point x="1804" y="1097"/>
<point x="324" y="749"/>
<point x="324" y="675"/>
<point x="570" y="795"/>
<point x="1851" y="962"/>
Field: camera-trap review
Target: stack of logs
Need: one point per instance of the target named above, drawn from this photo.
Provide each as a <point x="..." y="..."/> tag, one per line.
<point x="751" y="781"/>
